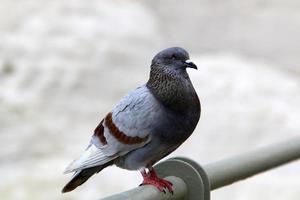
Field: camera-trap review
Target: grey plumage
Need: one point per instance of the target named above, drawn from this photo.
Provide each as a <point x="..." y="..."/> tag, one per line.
<point x="147" y="124"/>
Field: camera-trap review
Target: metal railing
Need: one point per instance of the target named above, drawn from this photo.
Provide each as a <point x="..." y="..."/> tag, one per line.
<point x="194" y="182"/>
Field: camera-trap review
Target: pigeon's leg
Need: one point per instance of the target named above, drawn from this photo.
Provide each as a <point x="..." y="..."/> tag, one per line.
<point x="151" y="178"/>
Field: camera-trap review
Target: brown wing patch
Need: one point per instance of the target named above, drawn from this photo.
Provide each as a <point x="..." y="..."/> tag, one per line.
<point x="119" y="135"/>
<point x="99" y="132"/>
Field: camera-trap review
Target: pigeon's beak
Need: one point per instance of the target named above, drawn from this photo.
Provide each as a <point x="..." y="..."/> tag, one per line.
<point x="190" y="64"/>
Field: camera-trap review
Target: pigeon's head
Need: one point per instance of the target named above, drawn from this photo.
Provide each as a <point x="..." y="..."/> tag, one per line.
<point x="174" y="58"/>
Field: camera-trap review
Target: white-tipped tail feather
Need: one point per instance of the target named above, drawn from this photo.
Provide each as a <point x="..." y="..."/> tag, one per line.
<point x="91" y="157"/>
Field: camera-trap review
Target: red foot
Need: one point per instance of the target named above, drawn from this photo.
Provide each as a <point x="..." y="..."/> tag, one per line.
<point x="151" y="178"/>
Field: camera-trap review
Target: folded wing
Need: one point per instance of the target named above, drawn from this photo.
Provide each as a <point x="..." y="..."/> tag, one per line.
<point x="127" y="127"/>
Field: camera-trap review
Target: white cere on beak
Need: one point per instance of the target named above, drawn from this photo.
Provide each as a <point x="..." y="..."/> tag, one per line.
<point x="188" y="61"/>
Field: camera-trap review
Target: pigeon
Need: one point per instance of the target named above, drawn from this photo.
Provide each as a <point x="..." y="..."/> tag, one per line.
<point x="146" y="125"/>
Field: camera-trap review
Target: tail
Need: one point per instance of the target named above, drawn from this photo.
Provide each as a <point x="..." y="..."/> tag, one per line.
<point x="81" y="176"/>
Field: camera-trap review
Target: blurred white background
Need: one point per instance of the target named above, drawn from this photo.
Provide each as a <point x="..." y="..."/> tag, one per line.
<point x="65" y="64"/>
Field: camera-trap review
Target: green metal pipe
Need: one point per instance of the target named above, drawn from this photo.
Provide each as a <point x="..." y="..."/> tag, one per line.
<point x="228" y="171"/>
<point x="195" y="182"/>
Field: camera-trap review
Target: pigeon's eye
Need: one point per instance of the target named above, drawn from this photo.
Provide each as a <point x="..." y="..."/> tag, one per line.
<point x="173" y="57"/>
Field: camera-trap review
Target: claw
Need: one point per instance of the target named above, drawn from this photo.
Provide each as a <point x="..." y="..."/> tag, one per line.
<point x="151" y="178"/>
<point x="172" y="192"/>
